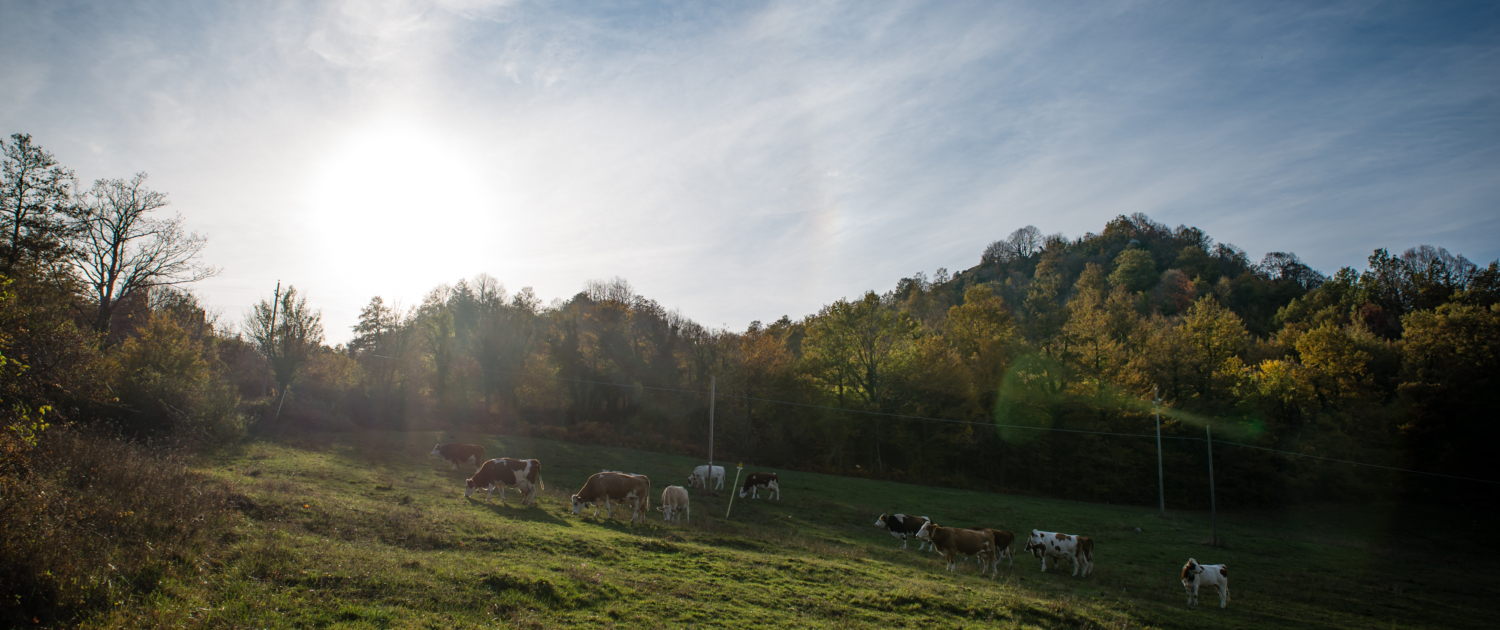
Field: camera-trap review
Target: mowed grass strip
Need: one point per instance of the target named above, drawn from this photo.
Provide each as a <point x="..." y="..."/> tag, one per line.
<point x="368" y="530"/>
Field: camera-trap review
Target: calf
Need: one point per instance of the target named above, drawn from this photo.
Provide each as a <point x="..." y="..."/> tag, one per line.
<point x="951" y="541"/>
<point x="1078" y="549"/>
<point x="457" y="453"/>
<point x="901" y="526"/>
<point x="702" y="476"/>
<point x="674" y="502"/>
<point x="760" y="481"/>
<point x="1195" y="575"/>
<point x="607" y="487"/>
<point x="497" y="472"/>
<point x="1003" y="541"/>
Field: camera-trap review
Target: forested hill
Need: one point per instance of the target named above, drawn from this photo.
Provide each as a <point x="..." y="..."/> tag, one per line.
<point x="1031" y="372"/>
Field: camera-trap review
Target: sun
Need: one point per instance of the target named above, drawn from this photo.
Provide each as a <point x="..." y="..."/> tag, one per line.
<point x="396" y="185"/>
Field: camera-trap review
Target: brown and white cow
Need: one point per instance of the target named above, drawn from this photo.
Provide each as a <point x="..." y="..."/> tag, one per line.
<point x="503" y="473"/>
<point x="1003" y="541"/>
<point x="459" y="453"/>
<point x="674" y="503"/>
<point x="607" y="487"/>
<point x="531" y="471"/>
<point x="1195" y="575"/>
<point x="1078" y="549"/>
<point x="951" y="541"/>
<point x="761" y="481"/>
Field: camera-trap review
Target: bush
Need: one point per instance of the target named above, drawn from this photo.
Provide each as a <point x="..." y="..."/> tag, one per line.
<point x="86" y="522"/>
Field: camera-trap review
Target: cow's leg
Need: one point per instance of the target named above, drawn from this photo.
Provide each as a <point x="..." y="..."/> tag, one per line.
<point x="1224" y="594"/>
<point x="687" y="510"/>
<point x="903" y="542"/>
<point x="1193" y="601"/>
<point x="1077" y="562"/>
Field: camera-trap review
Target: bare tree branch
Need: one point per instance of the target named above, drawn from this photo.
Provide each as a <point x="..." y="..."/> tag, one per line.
<point x="123" y="252"/>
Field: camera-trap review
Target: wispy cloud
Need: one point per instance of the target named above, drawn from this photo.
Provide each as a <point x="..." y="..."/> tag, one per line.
<point x="745" y="161"/>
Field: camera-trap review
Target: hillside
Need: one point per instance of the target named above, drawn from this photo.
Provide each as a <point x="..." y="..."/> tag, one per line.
<point x="367" y="530"/>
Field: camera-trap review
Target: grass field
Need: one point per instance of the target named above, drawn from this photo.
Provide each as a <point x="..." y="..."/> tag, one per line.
<point x="369" y="531"/>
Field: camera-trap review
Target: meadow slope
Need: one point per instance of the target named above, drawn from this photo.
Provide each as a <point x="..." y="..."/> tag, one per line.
<point x="367" y="530"/>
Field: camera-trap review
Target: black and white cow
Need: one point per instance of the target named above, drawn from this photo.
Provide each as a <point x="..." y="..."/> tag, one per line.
<point x="901" y="526"/>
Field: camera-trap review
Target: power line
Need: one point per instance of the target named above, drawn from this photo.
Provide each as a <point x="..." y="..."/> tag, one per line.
<point x="1345" y="461"/>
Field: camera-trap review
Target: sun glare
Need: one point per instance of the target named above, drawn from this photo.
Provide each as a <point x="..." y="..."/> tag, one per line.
<point x="397" y="187"/>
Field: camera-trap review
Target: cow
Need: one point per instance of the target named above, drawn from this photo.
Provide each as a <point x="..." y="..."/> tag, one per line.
<point x="674" y="502"/>
<point x="701" y="477"/>
<point x="1003" y="540"/>
<point x="501" y="473"/>
<point x="1195" y="575"/>
<point x="606" y="487"/>
<point x="901" y="526"/>
<point x="1078" y="549"/>
<point x="457" y="453"/>
<point x="529" y="470"/>
<point x="951" y="541"/>
<point x="760" y="481"/>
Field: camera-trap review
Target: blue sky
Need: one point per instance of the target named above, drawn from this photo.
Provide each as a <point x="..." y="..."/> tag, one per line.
<point x="745" y="160"/>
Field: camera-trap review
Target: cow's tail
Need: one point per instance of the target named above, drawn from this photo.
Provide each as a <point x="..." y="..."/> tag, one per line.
<point x="541" y="483"/>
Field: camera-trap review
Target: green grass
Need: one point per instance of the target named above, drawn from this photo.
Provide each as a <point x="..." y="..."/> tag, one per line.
<point x="369" y="531"/>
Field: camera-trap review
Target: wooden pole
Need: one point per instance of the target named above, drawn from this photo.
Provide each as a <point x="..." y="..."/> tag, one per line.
<point x="732" y="491"/>
<point x="271" y="340"/>
<point x="708" y="481"/>
<point x="1161" y="480"/>
<point x="1213" y="504"/>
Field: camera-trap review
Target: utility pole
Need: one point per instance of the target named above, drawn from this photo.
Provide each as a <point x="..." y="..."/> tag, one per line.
<point x="265" y="383"/>
<point x="1161" y="480"/>
<point x="1213" y="504"/>
<point x="713" y="384"/>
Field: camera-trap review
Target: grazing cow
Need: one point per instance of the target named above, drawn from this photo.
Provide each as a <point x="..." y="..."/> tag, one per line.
<point x="951" y="541"/>
<point x="529" y="470"/>
<point x="1078" y="549"/>
<point x="702" y="476"/>
<point x="501" y="473"/>
<point x="1195" y="575"/>
<point x="606" y="487"/>
<point x="1003" y="540"/>
<point x="674" y="503"/>
<point x="458" y="453"/>
<point x="901" y="526"/>
<point x="760" y="481"/>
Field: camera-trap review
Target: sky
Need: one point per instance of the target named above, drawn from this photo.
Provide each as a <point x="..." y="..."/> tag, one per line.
<point x="741" y="161"/>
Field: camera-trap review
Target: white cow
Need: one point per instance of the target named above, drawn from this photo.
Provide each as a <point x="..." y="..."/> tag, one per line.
<point x="1078" y="549"/>
<point x="674" y="502"/>
<point x="701" y="475"/>
<point x="1195" y="575"/>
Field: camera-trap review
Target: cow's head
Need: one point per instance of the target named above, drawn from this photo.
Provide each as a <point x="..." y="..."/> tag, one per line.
<point x="1190" y="571"/>
<point x="880" y="522"/>
<point x="469" y="487"/>
<point x="578" y="504"/>
<point x="437" y="450"/>
<point x="694" y="480"/>
<point x="743" y="491"/>
<point x="926" y="532"/>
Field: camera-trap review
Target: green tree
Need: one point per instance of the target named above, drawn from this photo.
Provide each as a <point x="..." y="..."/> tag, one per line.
<point x="286" y="331"/>
<point x="1134" y="269"/>
<point x="37" y="213"/>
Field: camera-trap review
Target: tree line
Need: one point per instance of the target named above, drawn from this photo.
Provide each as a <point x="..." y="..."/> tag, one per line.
<point x="1032" y="371"/>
